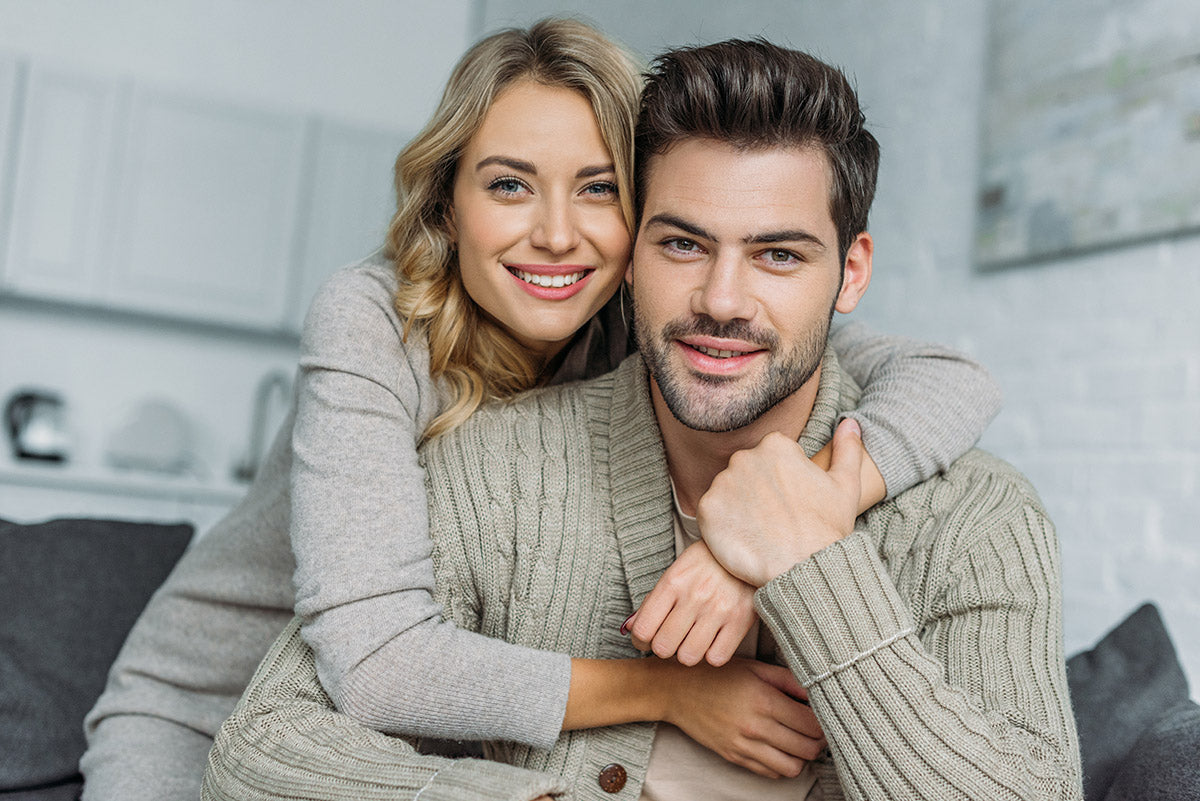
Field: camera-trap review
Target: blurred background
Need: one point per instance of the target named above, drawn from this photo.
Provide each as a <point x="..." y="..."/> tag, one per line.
<point x="177" y="177"/>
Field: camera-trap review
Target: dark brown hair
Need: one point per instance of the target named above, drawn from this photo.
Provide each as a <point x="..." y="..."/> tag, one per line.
<point x="754" y="94"/>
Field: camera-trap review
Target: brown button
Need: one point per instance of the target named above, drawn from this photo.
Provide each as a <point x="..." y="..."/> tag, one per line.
<point x="612" y="778"/>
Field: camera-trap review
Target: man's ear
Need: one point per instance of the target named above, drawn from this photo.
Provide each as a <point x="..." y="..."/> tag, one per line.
<point x="857" y="275"/>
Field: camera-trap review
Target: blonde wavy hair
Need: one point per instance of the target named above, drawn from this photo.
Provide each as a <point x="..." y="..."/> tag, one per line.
<point x="478" y="359"/>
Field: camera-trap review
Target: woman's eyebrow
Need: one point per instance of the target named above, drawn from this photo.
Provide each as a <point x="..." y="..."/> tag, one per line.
<point x="511" y="163"/>
<point x="599" y="169"/>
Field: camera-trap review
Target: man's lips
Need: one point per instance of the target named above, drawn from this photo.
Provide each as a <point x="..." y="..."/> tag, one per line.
<point x="713" y="355"/>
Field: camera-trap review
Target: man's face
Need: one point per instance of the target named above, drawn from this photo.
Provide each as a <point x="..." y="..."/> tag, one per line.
<point x="735" y="276"/>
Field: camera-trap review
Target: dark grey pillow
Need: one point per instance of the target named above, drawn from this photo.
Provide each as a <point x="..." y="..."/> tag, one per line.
<point x="70" y="590"/>
<point x="1165" y="763"/>
<point x="1120" y="690"/>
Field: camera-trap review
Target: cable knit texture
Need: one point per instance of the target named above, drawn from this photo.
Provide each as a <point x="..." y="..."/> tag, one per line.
<point x="930" y="638"/>
<point x="342" y="477"/>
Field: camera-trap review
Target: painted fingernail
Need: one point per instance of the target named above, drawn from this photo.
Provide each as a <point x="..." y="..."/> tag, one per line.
<point x="625" y="625"/>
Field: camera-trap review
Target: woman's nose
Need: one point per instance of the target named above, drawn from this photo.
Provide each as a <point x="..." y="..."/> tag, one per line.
<point x="556" y="228"/>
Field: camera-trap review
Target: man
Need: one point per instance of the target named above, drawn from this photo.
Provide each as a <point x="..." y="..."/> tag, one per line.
<point x="927" y="632"/>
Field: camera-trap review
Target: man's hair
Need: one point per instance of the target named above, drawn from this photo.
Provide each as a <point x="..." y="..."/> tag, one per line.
<point x="754" y="95"/>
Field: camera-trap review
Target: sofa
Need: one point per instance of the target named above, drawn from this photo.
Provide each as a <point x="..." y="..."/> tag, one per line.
<point x="71" y="589"/>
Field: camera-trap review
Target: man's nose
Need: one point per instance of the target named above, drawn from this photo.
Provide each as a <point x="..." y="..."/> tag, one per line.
<point x="725" y="294"/>
<point x="556" y="228"/>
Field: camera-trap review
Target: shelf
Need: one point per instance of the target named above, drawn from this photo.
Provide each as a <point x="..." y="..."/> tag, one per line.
<point x="111" y="482"/>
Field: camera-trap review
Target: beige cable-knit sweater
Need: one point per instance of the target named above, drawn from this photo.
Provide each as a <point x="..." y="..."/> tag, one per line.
<point x="930" y="638"/>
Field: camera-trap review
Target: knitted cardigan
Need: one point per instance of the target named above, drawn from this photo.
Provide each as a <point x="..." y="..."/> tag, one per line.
<point x="929" y="639"/>
<point x="342" y="479"/>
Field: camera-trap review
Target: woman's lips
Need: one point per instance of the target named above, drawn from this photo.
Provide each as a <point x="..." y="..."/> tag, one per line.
<point x="550" y="281"/>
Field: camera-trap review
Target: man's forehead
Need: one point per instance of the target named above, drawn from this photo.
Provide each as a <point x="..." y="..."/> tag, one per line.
<point x="721" y="183"/>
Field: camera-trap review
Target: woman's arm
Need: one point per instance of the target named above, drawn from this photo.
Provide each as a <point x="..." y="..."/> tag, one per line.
<point x="364" y="576"/>
<point x="922" y="406"/>
<point x="285" y="740"/>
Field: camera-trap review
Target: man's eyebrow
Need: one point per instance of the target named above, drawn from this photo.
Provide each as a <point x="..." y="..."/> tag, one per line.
<point x="505" y="161"/>
<point x="681" y="224"/>
<point x="774" y="237"/>
<point x="765" y="238"/>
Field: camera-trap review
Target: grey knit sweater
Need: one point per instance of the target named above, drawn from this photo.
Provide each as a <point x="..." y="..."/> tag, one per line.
<point x="343" y="476"/>
<point x="930" y="639"/>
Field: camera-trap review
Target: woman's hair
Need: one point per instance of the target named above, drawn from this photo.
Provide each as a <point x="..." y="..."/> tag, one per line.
<point x="479" y="359"/>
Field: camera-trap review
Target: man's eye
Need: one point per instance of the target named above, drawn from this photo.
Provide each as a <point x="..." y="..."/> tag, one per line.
<point x="682" y="245"/>
<point x="782" y="257"/>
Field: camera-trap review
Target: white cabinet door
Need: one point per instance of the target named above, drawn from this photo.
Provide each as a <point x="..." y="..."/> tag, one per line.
<point x="207" y="211"/>
<point x="8" y="141"/>
<point x="60" y="219"/>
<point x="351" y="201"/>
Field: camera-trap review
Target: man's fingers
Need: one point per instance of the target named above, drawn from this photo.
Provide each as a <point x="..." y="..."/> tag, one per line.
<point x="773" y="759"/>
<point x="847" y="451"/>
<point x="780" y="678"/>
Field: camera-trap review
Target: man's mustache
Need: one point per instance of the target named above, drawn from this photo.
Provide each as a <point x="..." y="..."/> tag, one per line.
<point x="702" y="325"/>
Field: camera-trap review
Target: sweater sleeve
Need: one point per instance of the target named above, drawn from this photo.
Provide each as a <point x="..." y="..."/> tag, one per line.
<point x="285" y="741"/>
<point x="969" y="703"/>
<point x="364" y="579"/>
<point x="922" y="405"/>
<point x="194" y="647"/>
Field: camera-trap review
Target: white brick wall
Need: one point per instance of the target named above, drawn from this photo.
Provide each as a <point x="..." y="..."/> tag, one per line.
<point x="1099" y="357"/>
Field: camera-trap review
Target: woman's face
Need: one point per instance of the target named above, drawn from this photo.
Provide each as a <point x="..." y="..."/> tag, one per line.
<point x="542" y="244"/>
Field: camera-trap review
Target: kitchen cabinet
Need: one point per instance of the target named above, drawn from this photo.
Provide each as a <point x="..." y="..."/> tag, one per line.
<point x="351" y="202"/>
<point x="207" y="207"/>
<point x="9" y="74"/>
<point x="160" y="202"/>
<point x="66" y="153"/>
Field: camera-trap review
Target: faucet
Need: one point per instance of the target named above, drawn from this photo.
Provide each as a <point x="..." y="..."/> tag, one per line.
<point x="275" y="382"/>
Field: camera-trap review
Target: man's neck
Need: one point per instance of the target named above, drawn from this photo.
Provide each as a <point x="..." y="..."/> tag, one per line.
<point x="695" y="457"/>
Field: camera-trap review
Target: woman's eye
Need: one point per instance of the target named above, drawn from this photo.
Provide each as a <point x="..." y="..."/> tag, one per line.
<point x="507" y="186"/>
<point x="601" y="189"/>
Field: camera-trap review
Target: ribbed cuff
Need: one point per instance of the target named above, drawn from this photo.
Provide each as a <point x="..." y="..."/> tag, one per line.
<point x="479" y="779"/>
<point x="834" y="609"/>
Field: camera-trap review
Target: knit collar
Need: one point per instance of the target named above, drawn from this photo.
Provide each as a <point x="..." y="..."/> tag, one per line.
<point x="639" y="481"/>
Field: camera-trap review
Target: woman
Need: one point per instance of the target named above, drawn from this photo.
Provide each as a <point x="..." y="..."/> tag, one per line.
<point x="511" y="236"/>
<point x="462" y="307"/>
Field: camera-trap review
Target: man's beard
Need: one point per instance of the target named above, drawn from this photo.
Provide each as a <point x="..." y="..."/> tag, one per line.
<point x="713" y="403"/>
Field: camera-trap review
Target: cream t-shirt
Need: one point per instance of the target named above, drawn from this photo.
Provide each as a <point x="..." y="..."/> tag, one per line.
<point x="680" y="769"/>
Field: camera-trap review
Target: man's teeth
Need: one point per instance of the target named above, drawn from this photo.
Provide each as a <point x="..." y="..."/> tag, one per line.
<point x="719" y="354"/>
<point x="548" y="280"/>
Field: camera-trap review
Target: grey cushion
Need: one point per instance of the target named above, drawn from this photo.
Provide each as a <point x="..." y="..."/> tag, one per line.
<point x="69" y="592"/>
<point x="1120" y="690"/>
<point x="1165" y="763"/>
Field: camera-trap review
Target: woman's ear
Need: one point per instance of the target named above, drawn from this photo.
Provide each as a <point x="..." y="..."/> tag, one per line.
<point x="629" y="273"/>
<point x="856" y="275"/>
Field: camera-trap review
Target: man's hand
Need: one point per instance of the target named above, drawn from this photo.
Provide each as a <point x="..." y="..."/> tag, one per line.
<point x="772" y="508"/>
<point x="695" y="611"/>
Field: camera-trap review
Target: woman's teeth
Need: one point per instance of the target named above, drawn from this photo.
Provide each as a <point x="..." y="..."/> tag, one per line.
<point x="548" y="280"/>
<point x="719" y="354"/>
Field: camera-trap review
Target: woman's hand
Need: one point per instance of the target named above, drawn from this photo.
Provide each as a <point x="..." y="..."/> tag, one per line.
<point x="748" y="713"/>
<point x="696" y="611"/>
